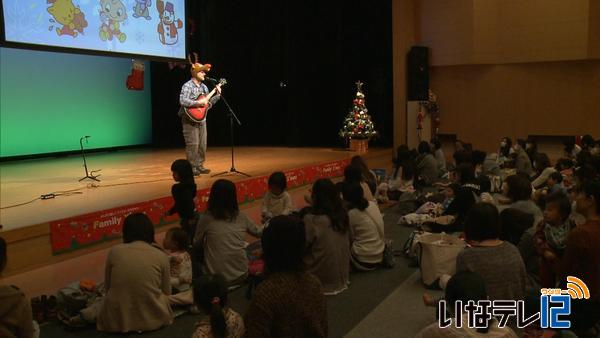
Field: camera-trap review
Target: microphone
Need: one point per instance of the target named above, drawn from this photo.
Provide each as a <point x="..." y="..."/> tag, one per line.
<point x="208" y="78"/>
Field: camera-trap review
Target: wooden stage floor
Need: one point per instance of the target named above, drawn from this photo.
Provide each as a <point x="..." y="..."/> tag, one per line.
<point x="128" y="177"/>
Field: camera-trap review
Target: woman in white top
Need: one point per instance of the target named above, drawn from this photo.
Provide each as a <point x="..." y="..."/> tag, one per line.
<point x="366" y="229"/>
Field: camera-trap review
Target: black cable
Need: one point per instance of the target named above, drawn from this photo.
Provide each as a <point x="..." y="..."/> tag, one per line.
<point x="77" y="191"/>
<point x="20" y="204"/>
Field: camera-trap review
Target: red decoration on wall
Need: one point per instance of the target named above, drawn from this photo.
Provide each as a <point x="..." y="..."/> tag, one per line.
<point x="135" y="81"/>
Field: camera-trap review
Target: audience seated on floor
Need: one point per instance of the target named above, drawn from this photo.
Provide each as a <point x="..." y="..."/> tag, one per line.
<point x="553" y="185"/>
<point x="465" y="286"/>
<point x="15" y="311"/>
<point x="464" y="197"/>
<point x="550" y="238"/>
<point x="498" y="262"/>
<point x="310" y="257"/>
<point x="522" y="160"/>
<point x="367" y="239"/>
<point x="290" y="301"/>
<point x="518" y="190"/>
<point x="402" y="176"/>
<point x="582" y="260"/>
<point x="354" y="175"/>
<point x="543" y="169"/>
<point x="531" y="148"/>
<point x="218" y="320"/>
<point x="427" y="166"/>
<point x="137" y="283"/>
<point x="368" y="176"/>
<point x="505" y="151"/>
<point x="440" y="158"/>
<point x="514" y="223"/>
<point x="461" y="156"/>
<point x="220" y="234"/>
<point x="276" y="201"/>
<point x="430" y="211"/>
<point x="327" y="253"/>
<point x="571" y="149"/>
<point x="176" y="243"/>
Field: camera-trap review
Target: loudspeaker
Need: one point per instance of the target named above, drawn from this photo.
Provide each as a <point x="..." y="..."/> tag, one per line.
<point x="418" y="73"/>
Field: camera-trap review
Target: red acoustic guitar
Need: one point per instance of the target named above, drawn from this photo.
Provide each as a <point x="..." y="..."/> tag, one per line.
<point x="198" y="114"/>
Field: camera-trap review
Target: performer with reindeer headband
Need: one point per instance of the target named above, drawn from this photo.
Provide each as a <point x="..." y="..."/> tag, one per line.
<point x="195" y="94"/>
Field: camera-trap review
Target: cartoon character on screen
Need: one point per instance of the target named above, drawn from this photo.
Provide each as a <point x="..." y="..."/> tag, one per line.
<point x="66" y="14"/>
<point x="141" y="9"/>
<point x="168" y="25"/>
<point x="112" y="13"/>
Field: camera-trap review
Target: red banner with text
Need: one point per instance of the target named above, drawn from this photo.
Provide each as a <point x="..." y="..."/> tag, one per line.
<point x="84" y="230"/>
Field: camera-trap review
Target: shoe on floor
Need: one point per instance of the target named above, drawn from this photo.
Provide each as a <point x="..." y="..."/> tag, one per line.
<point x="203" y="170"/>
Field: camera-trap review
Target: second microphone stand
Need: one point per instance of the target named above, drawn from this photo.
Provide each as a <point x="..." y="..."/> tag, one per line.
<point x="232" y="116"/>
<point x="88" y="174"/>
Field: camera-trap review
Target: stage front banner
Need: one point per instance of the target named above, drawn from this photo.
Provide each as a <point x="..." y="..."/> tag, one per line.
<point x="84" y="230"/>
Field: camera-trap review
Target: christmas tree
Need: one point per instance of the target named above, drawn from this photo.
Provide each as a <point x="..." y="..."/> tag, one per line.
<point x="358" y="124"/>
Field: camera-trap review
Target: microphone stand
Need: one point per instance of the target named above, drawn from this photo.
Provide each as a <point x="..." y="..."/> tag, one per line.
<point x="89" y="174"/>
<point x="232" y="116"/>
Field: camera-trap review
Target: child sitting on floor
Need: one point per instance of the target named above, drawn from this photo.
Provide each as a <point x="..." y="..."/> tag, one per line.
<point x="276" y="201"/>
<point x="210" y="295"/>
<point x="554" y="183"/>
<point x="551" y="236"/>
<point x="429" y="210"/>
<point x="401" y="180"/>
<point x="176" y="243"/>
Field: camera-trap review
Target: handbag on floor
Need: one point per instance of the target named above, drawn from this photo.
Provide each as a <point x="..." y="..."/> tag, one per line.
<point x="411" y="246"/>
<point x="437" y="256"/>
<point x="389" y="259"/>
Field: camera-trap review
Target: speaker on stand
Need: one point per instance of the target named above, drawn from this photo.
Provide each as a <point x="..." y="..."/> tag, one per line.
<point x="417" y="65"/>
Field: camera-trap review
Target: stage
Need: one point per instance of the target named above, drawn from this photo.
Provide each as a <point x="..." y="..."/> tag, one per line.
<point x="127" y="177"/>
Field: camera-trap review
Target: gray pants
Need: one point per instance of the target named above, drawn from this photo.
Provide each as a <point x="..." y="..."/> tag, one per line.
<point x="194" y="134"/>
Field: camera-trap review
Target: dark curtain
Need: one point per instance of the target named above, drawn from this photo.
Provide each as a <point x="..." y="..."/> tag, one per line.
<point x="290" y="66"/>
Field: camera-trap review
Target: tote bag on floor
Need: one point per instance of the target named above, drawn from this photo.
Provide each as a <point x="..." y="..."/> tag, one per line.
<point x="437" y="256"/>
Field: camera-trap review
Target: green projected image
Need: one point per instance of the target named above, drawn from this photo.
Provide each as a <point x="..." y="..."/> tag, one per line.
<point x="49" y="100"/>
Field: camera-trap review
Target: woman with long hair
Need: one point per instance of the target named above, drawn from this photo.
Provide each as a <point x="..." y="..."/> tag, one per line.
<point x="221" y="233"/>
<point x="366" y="229"/>
<point x="327" y="242"/>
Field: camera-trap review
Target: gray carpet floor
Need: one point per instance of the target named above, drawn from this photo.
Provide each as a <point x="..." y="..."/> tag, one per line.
<point x="381" y="303"/>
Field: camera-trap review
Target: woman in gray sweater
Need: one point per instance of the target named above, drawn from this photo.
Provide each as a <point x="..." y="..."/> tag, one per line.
<point x="221" y="232"/>
<point x="497" y="262"/>
<point x="327" y="253"/>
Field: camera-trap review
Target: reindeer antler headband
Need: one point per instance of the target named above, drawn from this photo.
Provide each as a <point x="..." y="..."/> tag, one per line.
<point x="196" y="66"/>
